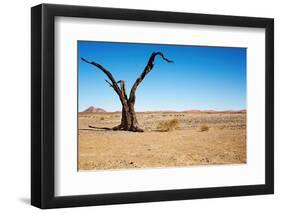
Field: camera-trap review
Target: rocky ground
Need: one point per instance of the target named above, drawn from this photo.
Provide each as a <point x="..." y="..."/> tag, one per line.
<point x="199" y="138"/>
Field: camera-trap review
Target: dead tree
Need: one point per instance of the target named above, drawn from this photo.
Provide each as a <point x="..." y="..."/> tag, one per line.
<point x="129" y="120"/>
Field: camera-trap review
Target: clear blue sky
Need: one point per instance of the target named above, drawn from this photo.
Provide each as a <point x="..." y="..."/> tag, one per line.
<point x="200" y="77"/>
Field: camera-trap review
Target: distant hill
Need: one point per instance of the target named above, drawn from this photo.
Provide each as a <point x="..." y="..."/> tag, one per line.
<point x="235" y="111"/>
<point x="93" y="109"/>
<point x="217" y="111"/>
<point x="198" y="110"/>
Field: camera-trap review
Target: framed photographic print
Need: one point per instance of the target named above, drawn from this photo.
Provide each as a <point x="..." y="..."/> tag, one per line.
<point x="139" y="106"/>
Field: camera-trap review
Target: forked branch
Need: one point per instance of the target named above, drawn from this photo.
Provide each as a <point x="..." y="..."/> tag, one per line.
<point x="113" y="83"/>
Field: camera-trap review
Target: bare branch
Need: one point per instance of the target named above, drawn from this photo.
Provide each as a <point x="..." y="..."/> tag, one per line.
<point x="146" y="70"/>
<point x="113" y="83"/>
<point x="109" y="83"/>
<point x="123" y="88"/>
<point x="163" y="57"/>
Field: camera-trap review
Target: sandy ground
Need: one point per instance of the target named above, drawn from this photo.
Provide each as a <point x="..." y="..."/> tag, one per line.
<point x="223" y="143"/>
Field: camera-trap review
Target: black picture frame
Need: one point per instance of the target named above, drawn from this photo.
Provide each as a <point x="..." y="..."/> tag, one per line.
<point x="43" y="117"/>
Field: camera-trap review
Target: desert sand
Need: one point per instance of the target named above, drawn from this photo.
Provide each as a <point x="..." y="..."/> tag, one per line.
<point x="198" y="138"/>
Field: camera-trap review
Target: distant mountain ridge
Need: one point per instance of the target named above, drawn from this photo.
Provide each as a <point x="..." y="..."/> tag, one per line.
<point x="94" y="109"/>
<point x="214" y="111"/>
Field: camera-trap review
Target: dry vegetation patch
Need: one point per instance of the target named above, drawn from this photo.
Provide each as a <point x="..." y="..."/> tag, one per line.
<point x="166" y="126"/>
<point x="204" y="128"/>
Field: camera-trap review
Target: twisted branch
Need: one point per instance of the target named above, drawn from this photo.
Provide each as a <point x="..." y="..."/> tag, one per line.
<point x="146" y="70"/>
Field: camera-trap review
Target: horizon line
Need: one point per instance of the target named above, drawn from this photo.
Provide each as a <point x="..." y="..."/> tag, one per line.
<point x="187" y="110"/>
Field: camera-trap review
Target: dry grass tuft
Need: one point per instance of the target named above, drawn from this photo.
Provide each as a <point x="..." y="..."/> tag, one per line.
<point x="204" y="128"/>
<point x="221" y="127"/>
<point x="102" y="118"/>
<point x="166" y="126"/>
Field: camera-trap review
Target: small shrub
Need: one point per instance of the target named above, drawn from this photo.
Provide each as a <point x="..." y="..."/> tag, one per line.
<point x="166" y="126"/>
<point x="221" y="127"/>
<point x="102" y="118"/>
<point x="204" y="128"/>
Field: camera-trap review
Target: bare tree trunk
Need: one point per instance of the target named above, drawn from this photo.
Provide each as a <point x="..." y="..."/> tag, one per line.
<point x="129" y="120"/>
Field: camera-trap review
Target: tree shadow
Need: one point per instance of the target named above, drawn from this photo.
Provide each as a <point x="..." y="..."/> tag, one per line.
<point x="95" y="128"/>
<point x="100" y="128"/>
